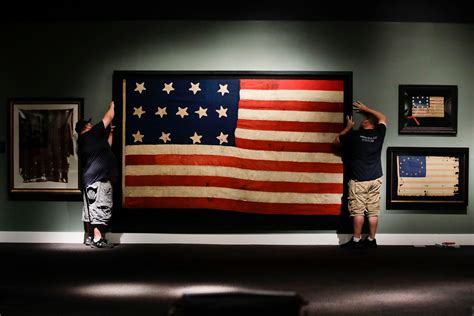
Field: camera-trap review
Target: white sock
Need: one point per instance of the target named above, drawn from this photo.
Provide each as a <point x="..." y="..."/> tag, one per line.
<point x="356" y="239"/>
<point x="370" y="239"/>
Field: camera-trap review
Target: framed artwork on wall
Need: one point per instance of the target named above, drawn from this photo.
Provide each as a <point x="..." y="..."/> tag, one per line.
<point x="43" y="161"/>
<point x="428" y="109"/>
<point x="248" y="142"/>
<point x="427" y="178"/>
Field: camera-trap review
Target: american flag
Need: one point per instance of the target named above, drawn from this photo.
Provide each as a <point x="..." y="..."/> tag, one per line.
<point x="428" y="175"/>
<point x="248" y="145"/>
<point x="427" y="106"/>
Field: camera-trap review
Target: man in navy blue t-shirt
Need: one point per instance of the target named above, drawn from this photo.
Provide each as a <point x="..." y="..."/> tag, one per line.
<point x="99" y="169"/>
<point x="362" y="151"/>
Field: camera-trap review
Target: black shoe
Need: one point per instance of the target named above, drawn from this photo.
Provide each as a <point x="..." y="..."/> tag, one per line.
<point x="101" y="243"/>
<point x="351" y="244"/>
<point x="369" y="243"/>
<point x="88" y="241"/>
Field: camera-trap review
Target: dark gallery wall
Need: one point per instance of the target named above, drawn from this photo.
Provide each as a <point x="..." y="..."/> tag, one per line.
<point x="77" y="59"/>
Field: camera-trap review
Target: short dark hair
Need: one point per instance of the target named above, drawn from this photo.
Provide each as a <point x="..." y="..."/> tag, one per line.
<point x="80" y="125"/>
<point x="371" y="118"/>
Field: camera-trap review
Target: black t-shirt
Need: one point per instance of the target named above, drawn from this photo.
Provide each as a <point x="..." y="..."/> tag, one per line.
<point x="362" y="149"/>
<point x="97" y="159"/>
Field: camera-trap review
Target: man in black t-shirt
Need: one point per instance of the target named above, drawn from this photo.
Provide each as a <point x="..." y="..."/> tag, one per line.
<point x="362" y="151"/>
<point x="99" y="169"/>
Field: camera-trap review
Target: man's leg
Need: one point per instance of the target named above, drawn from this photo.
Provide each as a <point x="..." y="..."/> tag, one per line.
<point x="97" y="233"/>
<point x="102" y="212"/>
<point x="357" y="222"/>
<point x="373" y="206"/>
<point x="88" y="230"/>
<point x="356" y="206"/>
<point x="100" y="231"/>
<point x="88" y="233"/>
<point x="355" y="242"/>
<point x="373" y="221"/>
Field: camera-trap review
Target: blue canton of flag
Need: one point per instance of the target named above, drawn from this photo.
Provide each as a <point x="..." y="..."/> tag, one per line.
<point x="182" y="112"/>
<point x="419" y="101"/>
<point x="412" y="166"/>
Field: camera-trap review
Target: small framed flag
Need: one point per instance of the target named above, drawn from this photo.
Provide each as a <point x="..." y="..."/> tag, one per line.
<point x="427" y="109"/>
<point x="427" y="178"/>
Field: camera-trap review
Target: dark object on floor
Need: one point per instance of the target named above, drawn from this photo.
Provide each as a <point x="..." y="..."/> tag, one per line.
<point x="352" y="244"/>
<point x="259" y="303"/>
<point x="367" y="243"/>
<point x="101" y="243"/>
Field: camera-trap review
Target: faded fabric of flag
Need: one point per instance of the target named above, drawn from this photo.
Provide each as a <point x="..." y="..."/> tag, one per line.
<point x="45" y="145"/>
<point x="424" y="106"/>
<point x="428" y="175"/>
<point x="249" y="145"/>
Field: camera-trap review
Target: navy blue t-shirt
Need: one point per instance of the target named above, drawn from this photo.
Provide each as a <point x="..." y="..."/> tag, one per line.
<point x="97" y="159"/>
<point x="362" y="150"/>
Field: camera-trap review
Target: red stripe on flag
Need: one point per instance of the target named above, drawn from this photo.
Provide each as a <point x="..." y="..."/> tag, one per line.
<point x="209" y="160"/>
<point x="233" y="183"/>
<point x="233" y="205"/>
<point x="291" y="106"/>
<point x="283" y="146"/>
<point x="257" y="84"/>
<point x="290" y="126"/>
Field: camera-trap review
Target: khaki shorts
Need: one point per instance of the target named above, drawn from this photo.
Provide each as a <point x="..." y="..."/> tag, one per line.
<point x="364" y="197"/>
<point x="97" y="208"/>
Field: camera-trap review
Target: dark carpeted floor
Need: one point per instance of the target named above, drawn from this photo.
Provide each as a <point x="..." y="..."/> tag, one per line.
<point x="71" y="279"/>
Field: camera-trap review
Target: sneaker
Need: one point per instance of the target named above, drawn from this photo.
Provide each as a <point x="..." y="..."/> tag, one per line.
<point x="351" y="244"/>
<point x="369" y="243"/>
<point x="88" y="241"/>
<point x="101" y="243"/>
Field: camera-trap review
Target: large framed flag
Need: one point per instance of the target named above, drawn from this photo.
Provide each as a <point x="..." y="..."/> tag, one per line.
<point x="245" y="142"/>
<point x="427" y="178"/>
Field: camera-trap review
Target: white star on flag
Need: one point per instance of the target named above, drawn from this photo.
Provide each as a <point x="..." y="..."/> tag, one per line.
<point x="196" y="138"/>
<point x="168" y="87"/>
<point x="140" y="87"/>
<point x="222" y="138"/>
<point x="222" y="112"/>
<point x="182" y="112"/>
<point x="201" y="112"/>
<point x="194" y="88"/>
<point x="138" y="111"/>
<point x="223" y="89"/>
<point x="165" y="137"/>
<point x="161" y="112"/>
<point x="138" y="137"/>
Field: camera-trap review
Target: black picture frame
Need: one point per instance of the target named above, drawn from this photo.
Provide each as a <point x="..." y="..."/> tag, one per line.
<point x="420" y="178"/>
<point x="428" y="109"/>
<point x="210" y="219"/>
<point x="43" y="160"/>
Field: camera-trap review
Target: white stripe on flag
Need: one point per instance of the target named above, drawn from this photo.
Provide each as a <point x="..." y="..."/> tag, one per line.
<point x="232" y="194"/>
<point x="228" y="151"/>
<point x="290" y="116"/>
<point x="293" y="95"/>
<point x="285" y="136"/>
<point x="216" y="171"/>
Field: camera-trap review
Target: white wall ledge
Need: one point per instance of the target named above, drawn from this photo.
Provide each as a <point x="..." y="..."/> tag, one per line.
<point x="236" y="239"/>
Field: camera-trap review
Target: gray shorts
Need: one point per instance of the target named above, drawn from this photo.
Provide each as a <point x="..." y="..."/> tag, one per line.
<point x="98" y="197"/>
<point x="364" y="197"/>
